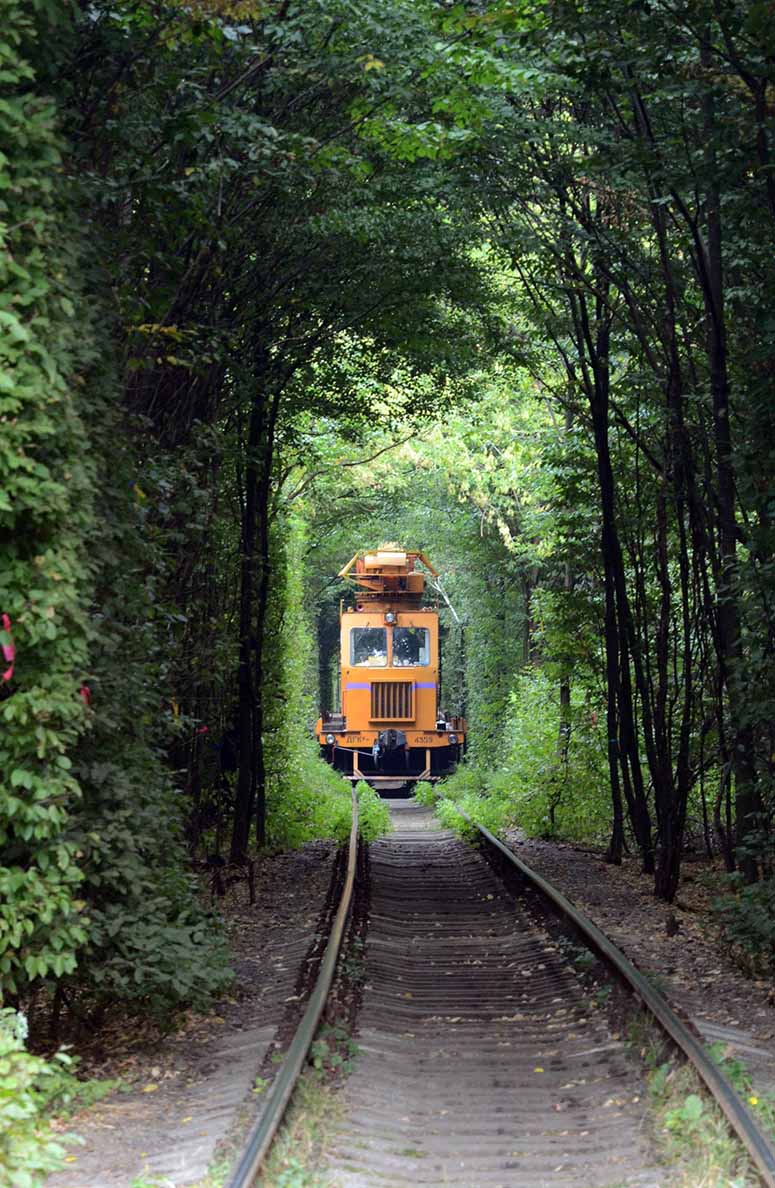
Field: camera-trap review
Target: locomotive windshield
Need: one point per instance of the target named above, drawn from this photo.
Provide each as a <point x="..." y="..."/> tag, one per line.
<point x="368" y="646"/>
<point x="410" y="646"/>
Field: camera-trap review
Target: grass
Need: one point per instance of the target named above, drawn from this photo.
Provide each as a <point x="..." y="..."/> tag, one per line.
<point x="308" y="1126"/>
<point x="693" y="1138"/>
<point x="295" y="1155"/>
<point x="216" y="1176"/>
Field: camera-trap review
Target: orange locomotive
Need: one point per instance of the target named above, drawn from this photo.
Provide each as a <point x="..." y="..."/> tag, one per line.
<point x="390" y="730"/>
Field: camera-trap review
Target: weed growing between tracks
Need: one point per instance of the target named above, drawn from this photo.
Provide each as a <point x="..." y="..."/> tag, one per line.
<point x="333" y="1051"/>
<point x="692" y="1136"/>
<point x="296" y="1154"/>
<point x="311" y="1120"/>
<point x="294" y="1160"/>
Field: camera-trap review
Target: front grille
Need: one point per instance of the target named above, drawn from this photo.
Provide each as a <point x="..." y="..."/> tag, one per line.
<point x="391" y="701"/>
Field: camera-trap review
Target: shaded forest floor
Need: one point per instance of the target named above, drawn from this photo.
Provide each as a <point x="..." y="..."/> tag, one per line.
<point x="178" y="1096"/>
<point x="689" y="965"/>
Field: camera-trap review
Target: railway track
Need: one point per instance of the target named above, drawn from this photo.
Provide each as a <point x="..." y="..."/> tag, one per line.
<point x="483" y="1059"/>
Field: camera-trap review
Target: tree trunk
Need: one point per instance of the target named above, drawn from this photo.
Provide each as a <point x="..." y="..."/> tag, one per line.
<point x="563" y="741"/>
<point x="623" y="749"/>
<point x="264" y="588"/>
<point x="246" y="706"/>
<point x="712" y="282"/>
<point x="622" y="731"/>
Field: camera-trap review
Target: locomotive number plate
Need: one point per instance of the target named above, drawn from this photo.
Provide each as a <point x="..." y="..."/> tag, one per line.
<point x="424" y="739"/>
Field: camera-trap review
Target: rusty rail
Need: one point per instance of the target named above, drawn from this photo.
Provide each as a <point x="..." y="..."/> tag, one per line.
<point x="260" y="1137"/>
<point x="754" y="1139"/>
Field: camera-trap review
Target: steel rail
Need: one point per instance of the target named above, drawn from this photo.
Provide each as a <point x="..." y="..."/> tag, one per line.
<point x="757" y="1143"/>
<point x="264" y="1129"/>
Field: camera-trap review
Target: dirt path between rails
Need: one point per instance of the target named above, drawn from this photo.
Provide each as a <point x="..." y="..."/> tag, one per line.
<point x="182" y="1094"/>
<point x="687" y="964"/>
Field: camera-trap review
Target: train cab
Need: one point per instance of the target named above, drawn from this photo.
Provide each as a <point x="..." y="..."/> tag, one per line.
<point x="390" y="729"/>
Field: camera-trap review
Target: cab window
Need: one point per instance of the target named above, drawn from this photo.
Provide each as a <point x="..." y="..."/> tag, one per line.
<point x="411" y="646"/>
<point x="368" y="647"/>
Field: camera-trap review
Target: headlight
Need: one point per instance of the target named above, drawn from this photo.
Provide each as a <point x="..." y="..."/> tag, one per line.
<point x="453" y="738"/>
<point x="390" y="617"/>
<point x="329" y="739"/>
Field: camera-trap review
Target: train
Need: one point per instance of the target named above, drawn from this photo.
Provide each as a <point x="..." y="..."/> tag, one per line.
<point x="390" y="729"/>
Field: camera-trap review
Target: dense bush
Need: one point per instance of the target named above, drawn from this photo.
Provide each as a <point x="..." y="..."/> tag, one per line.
<point x="747" y="921"/>
<point x="92" y="893"/>
<point x="150" y="943"/>
<point x="533" y="786"/>
<point x="425" y="793"/>
<point x="373" y="813"/>
<point x="29" y="1148"/>
<point x="312" y="800"/>
<point x="45" y="511"/>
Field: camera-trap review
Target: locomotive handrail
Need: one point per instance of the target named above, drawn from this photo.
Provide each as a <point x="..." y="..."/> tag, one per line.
<point x="745" y="1126"/>
<point x="265" y="1127"/>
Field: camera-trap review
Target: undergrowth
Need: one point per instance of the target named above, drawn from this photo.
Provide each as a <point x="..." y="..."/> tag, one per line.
<point x="308" y="1126"/>
<point x="36" y="1097"/>
<point x="425" y="793"/>
<point x="314" y="802"/>
<point x="29" y="1148"/>
<point x="693" y="1135"/>
<point x="534" y="786"/>
<point x="746" y="917"/>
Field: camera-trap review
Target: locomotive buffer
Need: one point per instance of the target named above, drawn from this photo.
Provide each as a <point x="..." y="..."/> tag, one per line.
<point x="390" y="730"/>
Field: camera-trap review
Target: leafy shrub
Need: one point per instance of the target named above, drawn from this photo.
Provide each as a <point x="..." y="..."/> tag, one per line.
<point x="45" y="510"/>
<point x="153" y="961"/>
<point x="747" y="921"/>
<point x="91" y="882"/>
<point x="29" y="1150"/>
<point x="692" y="1134"/>
<point x="552" y="797"/>
<point x="373" y="813"/>
<point x="533" y="787"/>
<point x="487" y="811"/>
<point x="151" y="944"/>
<point x="466" y="780"/>
<point x="313" y="801"/>
<point x="425" y="793"/>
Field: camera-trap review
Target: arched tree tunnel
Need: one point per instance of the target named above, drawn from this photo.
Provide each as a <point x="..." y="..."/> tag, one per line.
<point x="284" y="281"/>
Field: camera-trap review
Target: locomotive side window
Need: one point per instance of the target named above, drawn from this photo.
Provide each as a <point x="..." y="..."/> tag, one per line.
<point x="411" y="646"/>
<point x="368" y="646"/>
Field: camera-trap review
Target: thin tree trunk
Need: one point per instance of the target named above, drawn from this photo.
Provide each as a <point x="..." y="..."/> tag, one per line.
<point x="622" y="732"/>
<point x="264" y="589"/>
<point x="246" y="775"/>
<point x="746" y="799"/>
<point x="563" y="741"/>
